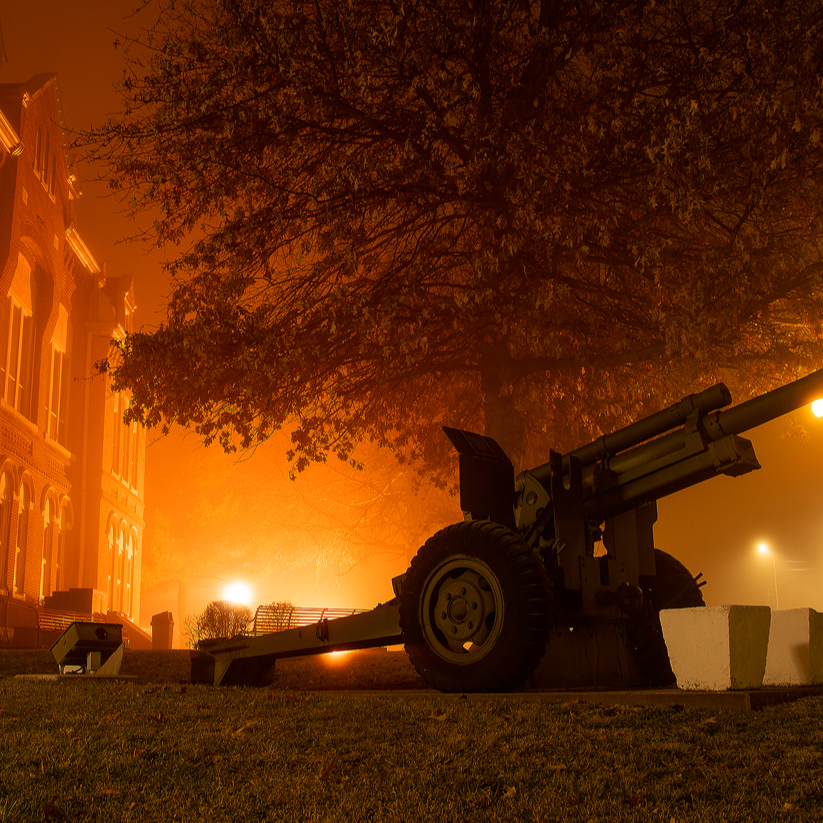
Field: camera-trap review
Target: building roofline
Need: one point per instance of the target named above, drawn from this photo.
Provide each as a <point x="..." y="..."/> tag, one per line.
<point x="80" y="249"/>
<point x="9" y="138"/>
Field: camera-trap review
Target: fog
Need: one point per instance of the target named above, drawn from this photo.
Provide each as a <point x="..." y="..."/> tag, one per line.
<point x="716" y="527"/>
<point x="214" y="520"/>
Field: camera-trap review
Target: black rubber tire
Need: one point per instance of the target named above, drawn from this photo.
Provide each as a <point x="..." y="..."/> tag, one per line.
<point x="673" y="587"/>
<point x="475" y="609"/>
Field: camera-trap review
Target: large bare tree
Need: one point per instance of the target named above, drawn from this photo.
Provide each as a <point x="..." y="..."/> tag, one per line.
<point x="540" y="217"/>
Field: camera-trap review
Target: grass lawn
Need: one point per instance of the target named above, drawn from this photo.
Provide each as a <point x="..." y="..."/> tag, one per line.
<point x="169" y="751"/>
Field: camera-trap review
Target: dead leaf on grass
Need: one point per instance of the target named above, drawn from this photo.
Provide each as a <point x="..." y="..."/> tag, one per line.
<point x="51" y="811"/>
<point x="787" y="807"/>
<point x="111" y="792"/>
<point x="509" y="791"/>
<point x="556" y="767"/>
<point x="438" y="717"/>
<point x="328" y="769"/>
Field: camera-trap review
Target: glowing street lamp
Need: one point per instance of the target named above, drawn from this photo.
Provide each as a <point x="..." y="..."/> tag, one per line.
<point x="764" y="550"/>
<point x="817" y="407"/>
<point x="238" y="592"/>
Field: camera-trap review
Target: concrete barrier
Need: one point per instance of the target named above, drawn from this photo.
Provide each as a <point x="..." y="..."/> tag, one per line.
<point x="795" y="656"/>
<point x="717" y="648"/>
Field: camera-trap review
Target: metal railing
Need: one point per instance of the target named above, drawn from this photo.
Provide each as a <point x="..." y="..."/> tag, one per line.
<point x="24" y="624"/>
<point x="54" y="620"/>
<point x="277" y="618"/>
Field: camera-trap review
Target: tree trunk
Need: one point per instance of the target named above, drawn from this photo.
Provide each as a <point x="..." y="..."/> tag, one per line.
<point x="504" y="421"/>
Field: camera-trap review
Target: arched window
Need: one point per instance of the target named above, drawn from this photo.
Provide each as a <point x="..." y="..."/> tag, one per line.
<point x="63" y="542"/>
<point x="6" y="508"/>
<point x="16" y="366"/>
<point x="22" y="539"/>
<point x="60" y="379"/>
<point x="112" y="559"/>
<point x="129" y="576"/>
<point x="46" y="563"/>
<point x="118" y="572"/>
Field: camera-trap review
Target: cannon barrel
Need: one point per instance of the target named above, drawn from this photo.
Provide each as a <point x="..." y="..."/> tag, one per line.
<point x="719" y="424"/>
<point x="646" y="440"/>
<point x="715" y="397"/>
<point x="766" y="407"/>
<point x="608" y="445"/>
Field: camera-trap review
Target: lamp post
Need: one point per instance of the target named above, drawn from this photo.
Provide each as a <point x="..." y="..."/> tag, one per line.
<point x="764" y="550"/>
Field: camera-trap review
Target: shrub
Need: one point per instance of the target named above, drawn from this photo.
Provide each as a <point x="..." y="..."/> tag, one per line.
<point x="219" y="620"/>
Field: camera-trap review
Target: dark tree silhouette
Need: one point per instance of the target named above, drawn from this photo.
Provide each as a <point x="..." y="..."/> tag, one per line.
<point x="534" y="216"/>
<point x="219" y="620"/>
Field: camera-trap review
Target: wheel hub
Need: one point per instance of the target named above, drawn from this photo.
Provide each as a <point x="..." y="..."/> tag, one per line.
<point x="462" y="609"/>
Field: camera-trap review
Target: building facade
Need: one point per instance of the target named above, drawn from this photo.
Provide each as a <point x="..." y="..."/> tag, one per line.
<point x="71" y="472"/>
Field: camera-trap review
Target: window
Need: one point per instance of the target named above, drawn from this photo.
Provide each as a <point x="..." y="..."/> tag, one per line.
<point x="117" y="424"/>
<point x="18" y="355"/>
<point x="43" y="162"/>
<point x="59" y="565"/>
<point x="48" y="544"/>
<point x="17" y="371"/>
<point x="37" y="152"/>
<point x="134" y="435"/>
<point x="54" y="399"/>
<point x="112" y="556"/>
<point x="118" y="573"/>
<point x="58" y="405"/>
<point x="125" y="442"/>
<point x="64" y="542"/>
<point x="6" y="507"/>
<point x="116" y="567"/>
<point x="59" y="396"/>
<point x="128" y="576"/>
<point x="22" y="539"/>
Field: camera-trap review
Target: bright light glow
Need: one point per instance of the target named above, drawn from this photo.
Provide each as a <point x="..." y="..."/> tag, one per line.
<point x="817" y="407"/>
<point x="763" y="548"/>
<point x="238" y="592"/>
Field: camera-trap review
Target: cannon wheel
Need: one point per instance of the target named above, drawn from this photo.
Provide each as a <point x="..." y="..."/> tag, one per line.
<point x="673" y="587"/>
<point x="475" y="609"/>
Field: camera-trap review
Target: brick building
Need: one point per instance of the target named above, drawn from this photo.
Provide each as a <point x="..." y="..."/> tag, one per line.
<point x="71" y="473"/>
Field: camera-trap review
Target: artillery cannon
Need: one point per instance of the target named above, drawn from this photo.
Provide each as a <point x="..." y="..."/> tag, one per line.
<point x="562" y="552"/>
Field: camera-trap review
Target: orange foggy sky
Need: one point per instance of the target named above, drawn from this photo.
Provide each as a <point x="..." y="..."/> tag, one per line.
<point x="712" y="528"/>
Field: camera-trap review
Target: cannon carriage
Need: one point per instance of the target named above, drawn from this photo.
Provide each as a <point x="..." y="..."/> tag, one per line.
<point x="547" y="565"/>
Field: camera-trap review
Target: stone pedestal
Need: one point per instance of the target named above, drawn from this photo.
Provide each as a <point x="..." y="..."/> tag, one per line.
<point x="717" y="648"/>
<point x="795" y="656"/>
